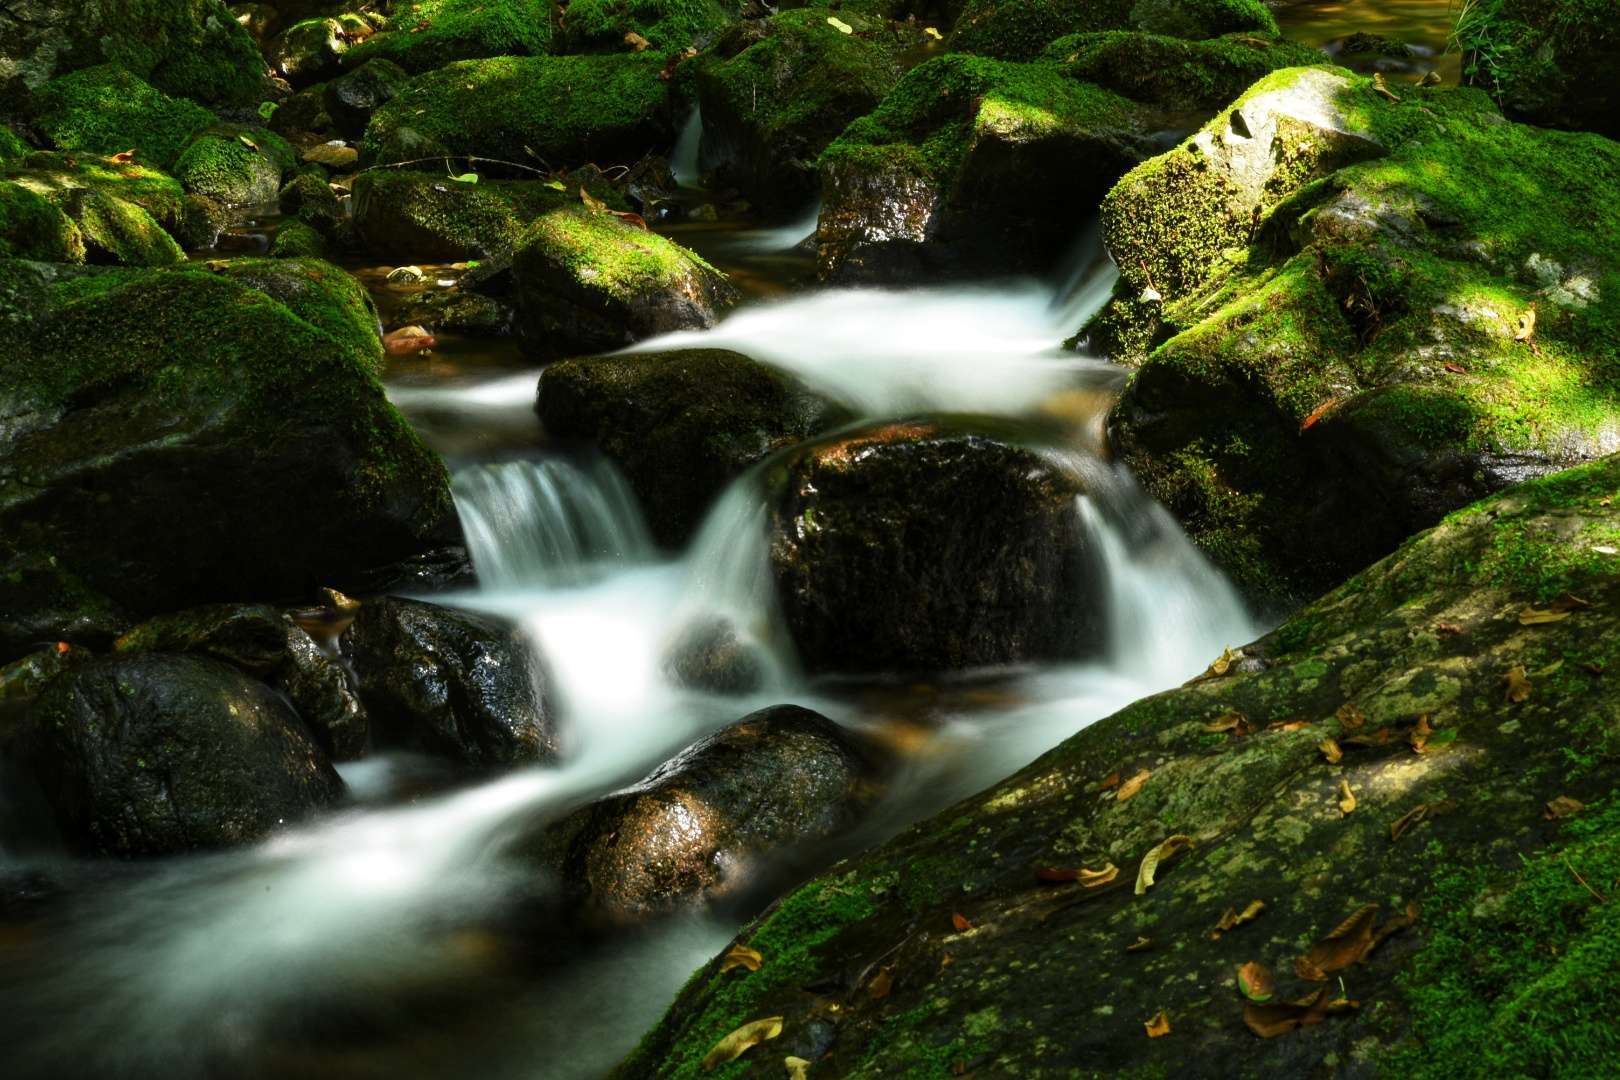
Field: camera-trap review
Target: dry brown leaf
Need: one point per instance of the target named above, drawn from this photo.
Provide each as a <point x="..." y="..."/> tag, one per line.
<point x="797" y="1068"/>
<point x="1563" y="807"/>
<point x="1286" y="725"/>
<point x="881" y="984"/>
<point x="1234" y="722"/>
<point x="124" y="157"/>
<point x="1351" y="717"/>
<point x="1420" y="733"/>
<point x="592" y="203"/>
<point x="1531" y="616"/>
<point x="1159" y="1025"/>
<point x="1346" y="944"/>
<point x="1347" y="798"/>
<point x="1407" y="820"/>
<point x="1518" y="685"/>
<point x="1231" y="918"/>
<point x="1255" y="981"/>
<point x="1109" y="781"/>
<point x="742" y="1040"/>
<point x="637" y="42"/>
<point x="1396" y="924"/>
<point x="1381" y="737"/>
<point x="1330" y="750"/>
<point x="1089" y="879"/>
<point x="1130" y="787"/>
<point x="1141" y="944"/>
<point x="960" y="921"/>
<point x="740" y="956"/>
<point x="1168" y="849"/>
<point x="1270" y="1020"/>
<point x="1450" y="629"/>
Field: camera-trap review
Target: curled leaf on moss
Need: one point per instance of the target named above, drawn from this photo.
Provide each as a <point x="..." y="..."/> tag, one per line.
<point x="1163" y="852"/>
<point x="742" y="1040"/>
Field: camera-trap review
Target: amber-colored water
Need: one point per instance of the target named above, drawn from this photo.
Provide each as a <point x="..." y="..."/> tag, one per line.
<point x="1423" y="25"/>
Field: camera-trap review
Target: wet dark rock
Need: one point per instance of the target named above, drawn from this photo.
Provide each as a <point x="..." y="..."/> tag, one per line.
<point x="352" y="97"/>
<point x="711" y="655"/>
<point x="1548" y="62"/>
<point x="460" y="685"/>
<point x="202" y="222"/>
<point x="691" y="829"/>
<point x="22" y="680"/>
<point x="323" y="693"/>
<point x="915" y="546"/>
<point x="151" y="754"/>
<point x="458" y="311"/>
<point x="311" y="200"/>
<point x="1471" y="847"/>
<point x="680" y="425"/>
<point x="587" y="281"/>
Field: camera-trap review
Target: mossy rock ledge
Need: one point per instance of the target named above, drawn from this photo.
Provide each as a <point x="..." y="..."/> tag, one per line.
<point x="1506" y="970"/>
<point x="248" y="398"/>
<point x="1352" y="313"/>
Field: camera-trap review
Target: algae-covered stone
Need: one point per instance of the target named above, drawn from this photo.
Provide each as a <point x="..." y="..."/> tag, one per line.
<point x="106" y="110"/>
<point x="1176" y="74"/>
<point x="556" y="111"/>
<point x="311" y="200"/>
<point x="151" y="754"/>
<point x="248" y="398"/>
<point x="666" y="25"/>
<point x="12" y="145"/>
<point x="428" y="34"/>
<point x="239" y="166"/>
<point x="1548" y="62"/>
<point x="1422" y="642"/>
<point x="120" y="232"/>
<point x="185" y="47"/>
<point x="1426" y="315"/>
<point x="774" y="93"/>
<point x="920" y="547"/>
<point x="972" y="165"/>
<point x="311" y="50"/>
<point x="680" y="425"/>
<point x="587" y="281"/>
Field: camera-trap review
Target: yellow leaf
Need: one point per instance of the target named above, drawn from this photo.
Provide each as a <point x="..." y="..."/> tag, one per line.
<point x="797" y="1068"/>
<point x="1130" y="787"/>
<point x="1150" y="862"/>
<point x="740" y="956"/>
<point x="881" y="984"/>
<point x="840" y="25"/>
<point x="1531" y="616"/>
<point x="1141" y="944"/>
<point x="742" y="1040"/>
<point x="1518" y="685"/>
<point x="1159" y="1025"/>
<point x="1330" y="750"/>
<point x="637" y="42"/>
<point x="1347" y="798"/>
<point x="933" y="33"/>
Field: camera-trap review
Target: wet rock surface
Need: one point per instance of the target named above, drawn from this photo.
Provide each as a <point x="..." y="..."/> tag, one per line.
<point x="456" y="684"/>
<point x="152" y="754"/>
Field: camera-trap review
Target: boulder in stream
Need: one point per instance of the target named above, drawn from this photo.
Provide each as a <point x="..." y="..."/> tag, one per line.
<point x="920" y="546"/>
<point x="465" y="686"/>
<point x="1401" y="811"/>
<point x="352" y="97"/>
<point x="692" y="828"/>
<point x="432" y="33"/>
<point x="106" y="110"/>
<point x="235" y="164"/>
<point x="151" y="754"/>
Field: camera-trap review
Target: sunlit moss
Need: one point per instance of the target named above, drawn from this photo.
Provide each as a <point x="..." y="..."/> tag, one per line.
<point x="425" y="34"/>
<point x="106" y="110"/>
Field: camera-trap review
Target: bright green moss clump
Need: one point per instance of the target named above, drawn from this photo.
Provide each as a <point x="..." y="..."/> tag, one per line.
<point x="123" y="232"/>
<point x="31" y="227"/>
<point x="11" y="145"/>
<point x="670" y="25"/>
<point x="107" y="110"/>
<point x="598" y="250"/>
<point x="58" y="176"/>
<point x="556" y="111"/>
<point x="1203" y="18"/>
<point x="1020" y="29"/>
<point x="457" y="30"/>
<point x="237" y="166"/>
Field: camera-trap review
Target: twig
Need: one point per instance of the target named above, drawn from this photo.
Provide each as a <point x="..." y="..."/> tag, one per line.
<point x="1600" y="897"/>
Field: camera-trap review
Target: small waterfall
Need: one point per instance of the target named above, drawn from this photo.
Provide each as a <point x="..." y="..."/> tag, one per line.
<point x="683" y="161"/>
<point x="548" y="523"/>
<point x="787" y="237"/>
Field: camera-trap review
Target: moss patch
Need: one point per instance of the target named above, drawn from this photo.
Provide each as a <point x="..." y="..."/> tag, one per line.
<point x="32" y="227"/>
<point x="425" y="34"/>
<point x="670" y="25"/>
<point x="107" y="110"/>
<point x="1172" y="72"/>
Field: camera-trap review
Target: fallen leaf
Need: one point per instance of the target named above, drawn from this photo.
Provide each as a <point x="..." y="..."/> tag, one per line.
<point x="1269" y="1021"/>
<point x="637" y="42"/>
<point x="933" y="33"/>
<point x="266" y="108"/>
<point x="742" y="1040"/>
<point x="960" y="921"/>
<point x="1141" y="944"/>
<point x="247" y="142"/>
<point x="1347" y="798"/>
<point x="466" y="178"/>
<point x="1351" y="717"/>
<point x="592" y="203"/>
<point x="1450" y="629"/>
<point x="1109" y="781"/>
<point x="740" y="956"/>
<point x="1286" y="725"/>
<point x="797" y="1068"/>
<point x="1255" y="981"/>
<point x="1456" y="369"/>
<point x="1526" y="331"/>
<point x="1381" y="737"/>
<point x="1563" y="807"/>
<point x="1089" y="879"/>
<point x="1420" y="733"/>
<point x="1130" y="787"/>
<point x="630" y="219"/>
<point x="1518" y="685"/>
<point x="1159" y="1025"/>
<point x="1531" y="616"/>
<point x="840" y="25"/>
<point x="1224" y="662"/>
<point x="1347" y="943"/>
<point x="124" y="157"/>
<point x="407" y="340"/>
<point x="1381" y="88"/>
<point x="1234" y="722"/>
<point x="1330" y="750"/>
<point x="1320" y="411"/>
<point x="1232" y="918"/>
<point x="1394" y="925"/>
<point x="1150" y="295"/>
<point x="1171" y="847"/>
<point x="881" y="984"/>
<point x="1407" y="820"/>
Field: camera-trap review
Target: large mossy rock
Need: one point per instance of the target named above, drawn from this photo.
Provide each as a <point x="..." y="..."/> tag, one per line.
<point x="236" y="166"/>
<point x="1507" y="970"/>
<point x="410" y="217"/>
<point x="1172" y="73"/>
<point x="680" y="425"/>
<point x="587" y="281"/>
<point x="666" y="25"/>
<point x="921" y="547"/>
<point x="311" y="50"/>
<point x="427" y="34"/>
<point x="1548" y="62"/>
<point x="1427" y="313"/>
<point x="105" y="110"/>
<point x="352" y="97"/>
<point x="33" y="227"/>
<point x="971" y="166"/>
<point x="459" y="685"/>
<point x="151" y="754"/>
<point x="186" y="47"/>
<point x="76" y="208"/>
<point x="1021" y="29"/>
<point x="536" y="111"/>
<point x="775" y="93"/>
<point x="179" y="437"/>
<point x="691" y="830"/>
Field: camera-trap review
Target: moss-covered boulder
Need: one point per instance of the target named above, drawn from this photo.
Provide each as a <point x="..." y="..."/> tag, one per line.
<point x="153" y="754"/>
<point x="105" y="110"/>
<point x="923" y="546"/>
<point x="776" y="92"/>
<point x="695" y="828"/>
<point x="185" y="47"/>
<point x="12" y="145"/>
<point x="352" y="97"/>
<point x="666" y="25"/>
<point x="1361" y="808"/>
<point x="1021" y="29"/>
<point x="425" y="34"/>
<point x="239" y="166"/>
<point x="1173" y="73"/>
<point x="1547" y="62"/>
<point x="556" y="111"/>
<point x="463" y="686"/>
<point x="34" y="227"/>
<point x="120" y="212"/>
<point x="295" y="240"/>
<point x="1426" y="314"/>
<point x="312" y="49"/>
<point x="411" y="217"/>
<point x="680" y="425"/>
<point x="585" y="280"/>
<point x="310" y="200"/>
<point x="249" y="398"/>
<point x="972" y="165"/>
<point x="120" y="232"/>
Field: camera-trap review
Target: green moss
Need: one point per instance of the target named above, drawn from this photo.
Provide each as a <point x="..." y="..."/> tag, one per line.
<point x="1203" y="18"/>
<point x="1546" y="61"/>
<point x="1020" y="29"/>
<point x="31" y="227"/>
<point x="926" y="123"/>
<point x="1517" y="976"/>
<point x="599" y="250"/>
<point x="124" y="232"/>
<point x="12" y="145"/>
<point x="60" y="177"/>
<point x="237" y="166"/>
<point x="457" y="30"/>
<point x="670" y="25"/>
<point x="553" y="111"/>
<point x="190" y="48"/>
<point x="320" y="294"/>
<point x="296" y="240"/>
<point x="1173" y="72"/>
<point x="107" y="110"/>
